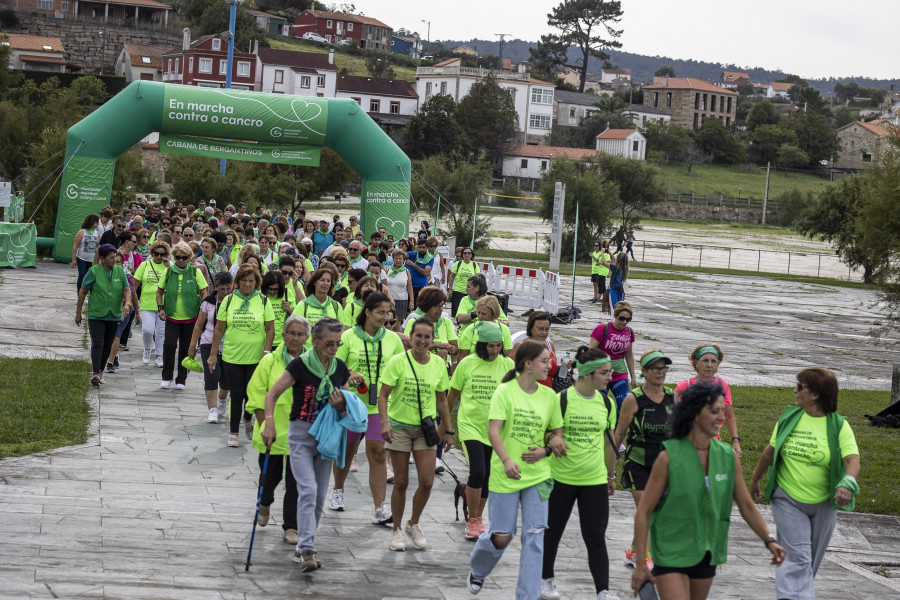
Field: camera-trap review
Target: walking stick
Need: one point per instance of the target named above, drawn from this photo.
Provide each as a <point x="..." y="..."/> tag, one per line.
<point x="262" y="482"/>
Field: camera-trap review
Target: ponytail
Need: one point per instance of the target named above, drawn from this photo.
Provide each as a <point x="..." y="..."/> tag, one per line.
<point x="527" y="351"/>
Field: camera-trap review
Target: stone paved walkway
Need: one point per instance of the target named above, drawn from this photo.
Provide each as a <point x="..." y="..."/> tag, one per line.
<point x="156" y="506"/>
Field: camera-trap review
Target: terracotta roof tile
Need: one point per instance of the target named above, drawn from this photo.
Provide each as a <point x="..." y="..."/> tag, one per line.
<point x="552" y="151"/>
<point x="447" y="62"/>
<point x="733" y="75"/>
<point x="370" y="21"/>
<point x="34" y="43"/>
<point x="295" y="59"/>
<point x="616" y="134"/>
<point x="781" y="86"/>
<point x="688" y="83"/>
<point x="324" y="14"/>
<point x="879" y="127"/>
<point x="136" y="52"/>
<point x="37" y="58"/>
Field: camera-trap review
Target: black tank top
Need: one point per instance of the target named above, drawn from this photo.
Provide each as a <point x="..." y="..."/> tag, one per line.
<point x="649" y="428"/>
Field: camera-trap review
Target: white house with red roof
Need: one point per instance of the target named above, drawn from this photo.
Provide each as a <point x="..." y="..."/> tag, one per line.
<point x="140" y="62"/>
<point x="36" y="52"/>
<point x="530" y="162"/>
<point x="778" y="89"/>
<point x="296" y="73"/>
<point x="390" y="102"/>
<point x="533" y="98"/>
<point x="627" y="143"/>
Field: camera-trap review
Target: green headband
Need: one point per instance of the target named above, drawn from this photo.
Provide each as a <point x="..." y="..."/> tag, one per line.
<point x="706" y="350"/>
<point x="488" y="331"/>
<point x="652" y="357"/>
<point x="586" y="368"/>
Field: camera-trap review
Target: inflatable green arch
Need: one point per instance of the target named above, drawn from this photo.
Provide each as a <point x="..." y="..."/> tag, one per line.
<point x="280" y="129"/>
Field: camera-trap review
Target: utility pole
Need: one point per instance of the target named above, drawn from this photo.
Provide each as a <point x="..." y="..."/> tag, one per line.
<point x="766" y="193"/>
<point x="231" y="26"/>
<point x="502" y="43"/>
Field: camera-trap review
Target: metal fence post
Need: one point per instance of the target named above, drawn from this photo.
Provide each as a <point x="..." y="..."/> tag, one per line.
<point x="701" y="257"/>
<point x="643" y="250"/>
<point x="729" y="258"/>
<point x="758" y="259"/>
<point x="789" y="262"/>
<point x="672" y="255"/>
<point x="819" y="268"/>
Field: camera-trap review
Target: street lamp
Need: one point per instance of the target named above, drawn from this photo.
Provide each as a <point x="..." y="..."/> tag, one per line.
<point x="429" y="30"/>
<point x="102" y="48"/>
<point x="230" y="40"/>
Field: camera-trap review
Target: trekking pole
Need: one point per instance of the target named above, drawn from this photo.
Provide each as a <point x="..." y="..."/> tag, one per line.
<point x="262" y="482"/>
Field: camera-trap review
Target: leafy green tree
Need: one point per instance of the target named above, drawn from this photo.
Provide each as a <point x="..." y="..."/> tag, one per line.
<point x="547" y="56"/>
<point x="211" y="16"/>
<point x="378" y="65"/>
<point x="768" y="139"/>
<point x="665" y="71"/>
<point x="434" y="129"/>
<point x="586" y="24"/>
<point x="599" y="122"/>
<point x="807" y="98"/>
<point x="791" y="157"/>
<point x="762" y="113"/>
<point x="637" y="184"/>
<point x="611" y="104"/>
<point x="488" y="117"/>
<point x="8" y="77"/>
<point x="665" y="137"/>
<point x="716" y="140"/>
<point x="843" y="115"/>
<point x="815" y="135"/>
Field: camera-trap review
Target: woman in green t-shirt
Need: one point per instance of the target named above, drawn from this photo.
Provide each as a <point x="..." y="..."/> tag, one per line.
<point x="476" y="289"/>
<point x="472" y="385"/>
<point x="149" y="274"/>
<point x="525" y="427"/>
<point x="318" y="303"/>
<point x="488" y="311"/>
<point x="283" y="302"/>
<point x="366" y="349"/>
<point x="599" y="268"/>
<point x="412" y="390"/>
<point x="686" y="506"/>
<point x="587" y="474"/>
<point x="459" y="275"/>
<point x="246" y="322"/>
<point x="813" y="462"/>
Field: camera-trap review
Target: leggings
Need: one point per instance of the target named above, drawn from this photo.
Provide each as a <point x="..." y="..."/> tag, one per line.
<point x="238" y="377"/>
<point x="178" y="335"/>
<point x="620" y="390"/>
<point x="593" y="515"/>
<point x="102" y="335"/>
<point x="152" y="325"/>
<point x="479" y="465"/>
<point x="277" y="464"/>
<point x="83" y="266"/>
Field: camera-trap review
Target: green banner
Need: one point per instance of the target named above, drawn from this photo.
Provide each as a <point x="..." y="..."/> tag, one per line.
<point x="18" y="245"/>
<point x="244" y="115"/>
<point x="285" y="154"/>
<point x="86" y="187"/>
<point x="386" y="204"/>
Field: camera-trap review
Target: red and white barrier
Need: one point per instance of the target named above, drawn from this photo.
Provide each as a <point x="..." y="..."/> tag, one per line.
<point x="525" y="287"/>
<point x="551" y="292"/>
<point x="490" y="273"/>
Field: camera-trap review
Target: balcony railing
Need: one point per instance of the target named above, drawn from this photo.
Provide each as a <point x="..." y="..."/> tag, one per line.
<point x="456" y="70"/>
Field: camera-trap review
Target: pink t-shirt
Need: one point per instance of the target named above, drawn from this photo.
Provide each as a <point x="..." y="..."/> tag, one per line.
<point x="683" y="385"/>
<point x="616" y="345"/>
<point x="206" y="337"/>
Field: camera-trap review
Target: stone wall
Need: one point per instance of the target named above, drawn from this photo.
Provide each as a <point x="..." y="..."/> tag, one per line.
<point x="858" y="147"/>
<point x="712" y="213"/>
<point x="85" y="46"/>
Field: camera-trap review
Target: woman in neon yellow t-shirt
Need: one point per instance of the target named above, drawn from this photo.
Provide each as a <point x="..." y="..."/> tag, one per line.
<point x="587" y="473"/>
<point x="525" y="427"/>
<point x="473" y="384"/>
<point x="459" y="275"/>
<point x="412" y="389"/>
<point x="430" y="306"/>
<point x="488" y="311"/>
<point x="150" y="273"/>
<point x="318" y="303"/>
<point x="813" y="462"/>
<point x="366" y="349"/>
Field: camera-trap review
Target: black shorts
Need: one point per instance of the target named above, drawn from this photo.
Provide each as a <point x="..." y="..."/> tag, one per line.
<point x="597" y="278"/>
<point x="635" y="476"/>
<point x="702" y="570"/>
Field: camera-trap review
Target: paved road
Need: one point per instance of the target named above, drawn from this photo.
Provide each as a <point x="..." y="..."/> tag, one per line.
<point x="156" y="506"/>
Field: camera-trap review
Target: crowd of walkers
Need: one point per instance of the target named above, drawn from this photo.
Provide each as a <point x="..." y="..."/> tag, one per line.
<point x="314" y="338"/>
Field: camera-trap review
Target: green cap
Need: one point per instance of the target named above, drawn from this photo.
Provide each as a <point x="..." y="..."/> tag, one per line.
<point x="488" y="331"/>
<point x="191" y="364"/>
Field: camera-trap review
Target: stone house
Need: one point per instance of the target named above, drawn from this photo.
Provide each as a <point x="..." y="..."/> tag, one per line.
<point x="860" y="143"/>
<point x="572" y="108"/>
<point x="690" y="101"/>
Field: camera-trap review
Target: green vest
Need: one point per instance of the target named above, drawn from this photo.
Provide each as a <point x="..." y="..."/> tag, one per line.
<point x="694" y="515"/>
<point x="190" y="293"/>
<point x="834" y="422"/>
<point x="106" y="293"/>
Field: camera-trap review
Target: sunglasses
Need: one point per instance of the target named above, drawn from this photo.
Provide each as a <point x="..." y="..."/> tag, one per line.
<point x="159" y="254"/>
<point x="340" y="265"/>
<point x="432" y="245"/>
<point x="596" y="245"/>
<point x="188" y="235"/>
<point x="178" y="231"/>
<point x="166" y="223"/>
<point x="664" y="369"/>
<point x="180" y="257"/>
<point x="354" y="249"/>
<point x="272" y="290"/>
<point x="145" y="236"/>
<point x="625" y="319"/>
<point x="119" y="227"/>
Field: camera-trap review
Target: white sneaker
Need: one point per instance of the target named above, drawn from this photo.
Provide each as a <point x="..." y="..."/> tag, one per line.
<point x="383" y="514"/>
<point x="213" y="416"/>
<point x="164" y="384"/>
<point x="222" y="407"/>
<point x="473" y="584"/>
<point x="233" y="441"/>
<point x="354" y="465"/>
<point x="179" y="386"/>
<point x="398" y="542"/>
<point x="548" y="589"/>
<point x="337" y="500"/>
<point x="606" y="595"/>
<point x="146" y="356"/>
<point x="438" y="466"/>
<point x="415" y="532"/>
<point x="412" y="460"/>
<point x="159" y="362"/>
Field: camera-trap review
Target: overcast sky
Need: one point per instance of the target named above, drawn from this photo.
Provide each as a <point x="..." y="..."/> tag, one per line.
<point x="812" y="38"/>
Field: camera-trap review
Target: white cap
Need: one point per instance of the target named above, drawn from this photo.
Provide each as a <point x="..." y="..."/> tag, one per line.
<point x="212" y="202"/>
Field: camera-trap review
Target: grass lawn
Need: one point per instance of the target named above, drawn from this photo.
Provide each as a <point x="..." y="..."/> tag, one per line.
<point x="723" y="179"/>
<point x="51" y="409"/>
<point x="355" y="65"/>
<point x="757" y="410"/>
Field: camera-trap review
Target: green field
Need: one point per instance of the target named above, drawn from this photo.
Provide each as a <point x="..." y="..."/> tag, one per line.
<point x="355" y="65"/>
<point x="725" y="180"/>
<point x="50" y="409"/>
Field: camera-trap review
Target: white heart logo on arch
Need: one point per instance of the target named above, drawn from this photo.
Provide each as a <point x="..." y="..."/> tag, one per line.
<point x="386" y="204"/>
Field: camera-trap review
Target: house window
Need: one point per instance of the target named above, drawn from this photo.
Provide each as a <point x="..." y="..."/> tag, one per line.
<point x="668" y="99"/>
<point x="655" y="99"/>
<point x="357" y="100"/>
<point x="223" y="67"/>
<point x="349" y="26"/>
<point x="395" y="108"/>
<point x="543" y="165"/>
<point x="696" y="120"/>
<point x="697" y="101"/>
<point x="427" y="90"/>
<point x="204" y="65"/>
<point x="712" y="103"/>
<point x="370" y="31"/>
<point x="304" y="82"/>
<point x="191" y="65"/>
<point x="635" y="145"/>
<point x="541" y="96"/>
<point x="45" y="4"/>
<point x="145" y="60"/>
<point x="328" y="38"/>
<point x="279" y="76"/>
<point x="729" y="106"/>
<point x="328" y="24"/>
<point x="320" y="81"/>
<point x="170" y="65"/>
<point x="243" y="69"/>
<point x="512" y="93"/>
<point x="524" y="164"/>
<point x="374" y="106"/>
<point x="216" y="44"/>
<point x="539" y="121"/>
<point x="727" y="121"/>
<point x="703" y="104"/>
<point x="571" y="113"/>
<point x="177" y="70"/>
<point x="866" y="157"/>
<point x="443" y="87"/>
<point x="64" y="6"/>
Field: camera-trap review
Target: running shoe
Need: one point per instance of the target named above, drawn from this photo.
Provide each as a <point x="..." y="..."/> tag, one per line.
<point x="165" y="384"/>
<point x="179" y="387"/>
<point x="382" y="515"/>
<point x="110" y="368"/>
<point x="474" y="528"/>
<point x="415" y="532"/>
<point x="101" y="377"/>
<point x="123" y="349"/>
<point x="159" y="362"/>
<point x="630" y="558"/>
<point x="212" y="416"/>
<point x="290" y="536"/>
<point x="398" y="542"/>
<point x="337" y="500"/>
<point x="354" y="465"/>
<point x="233" y="441"/>
<point x="473" y="584"/>
<point x="116" y="360"/>
<point x="606" y="595"/>
<point x="95" y="379"/>
<point x="307" y="560"/>
<point x="548" y="589"/>
<point x="263" y="519"/>
<point x="146" y="356"/>
<point x="438" y="466"/>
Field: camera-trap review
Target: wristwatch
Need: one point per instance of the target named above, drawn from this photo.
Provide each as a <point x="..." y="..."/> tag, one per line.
<point x="768" y="540"/>
<point x="448" y="432"/>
